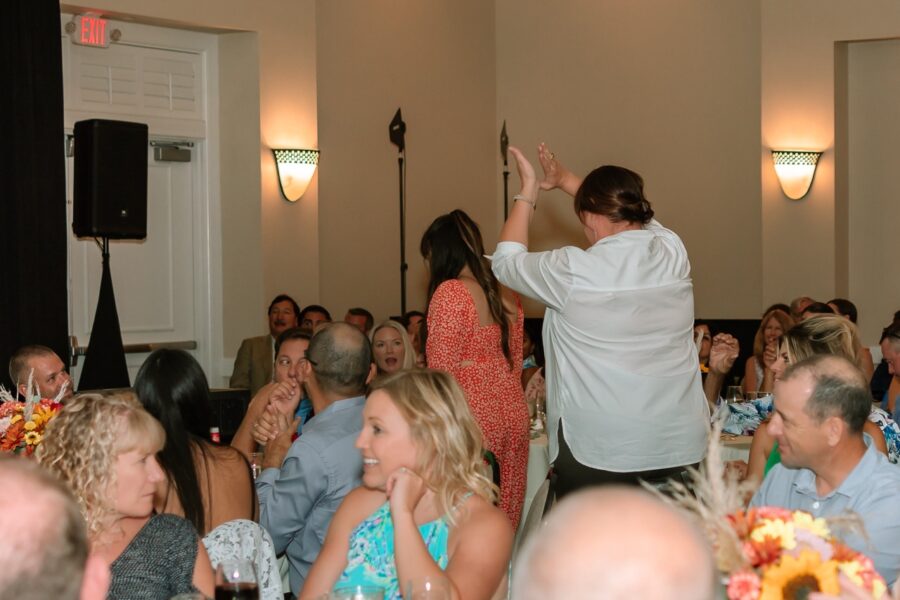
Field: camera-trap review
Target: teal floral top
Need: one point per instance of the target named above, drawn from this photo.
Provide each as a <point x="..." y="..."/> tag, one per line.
<point x="370" y="560"/>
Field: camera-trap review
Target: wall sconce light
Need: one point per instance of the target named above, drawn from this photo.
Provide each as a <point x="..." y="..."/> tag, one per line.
<point x="295" y="170"/>
<point x="795" y="170"/>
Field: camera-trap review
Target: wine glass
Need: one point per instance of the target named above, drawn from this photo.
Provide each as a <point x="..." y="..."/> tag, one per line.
<point x="236" y="580"/>
<point x="358" y="592"/>
<point x="427" y="588"/>
<point x="256" y="460"/>
<point x="733" y="394"/>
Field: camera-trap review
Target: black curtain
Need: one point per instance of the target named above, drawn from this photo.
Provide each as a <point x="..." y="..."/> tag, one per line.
<point x="33" y="293"/>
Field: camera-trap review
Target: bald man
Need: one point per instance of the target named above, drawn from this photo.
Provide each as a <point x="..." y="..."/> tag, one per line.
<point x="304" y="480"/>
<point x="615" y="543"/>
<point x="45" y="552"/>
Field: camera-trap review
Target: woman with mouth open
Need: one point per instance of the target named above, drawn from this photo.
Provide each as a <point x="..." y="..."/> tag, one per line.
<point x="391" y="348"/>
<point x="425" y="507"/>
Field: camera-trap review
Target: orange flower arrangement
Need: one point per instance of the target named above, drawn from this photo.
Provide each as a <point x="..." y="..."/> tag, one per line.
<point x="22" y="424"/>
<point x="770" y="553"/>
<point x="787" y="555"/>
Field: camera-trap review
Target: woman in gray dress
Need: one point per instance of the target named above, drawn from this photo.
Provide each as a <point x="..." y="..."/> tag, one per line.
<point x="103" y="446"/>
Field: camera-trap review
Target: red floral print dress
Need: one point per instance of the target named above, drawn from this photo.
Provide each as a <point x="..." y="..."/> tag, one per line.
<point x="473" y="354"/>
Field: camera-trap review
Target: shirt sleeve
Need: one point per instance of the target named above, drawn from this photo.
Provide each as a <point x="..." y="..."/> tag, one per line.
<point x="182" y="546"/>
<point x="287" y="495"/>
<point x="544" y="276"/>
<point x="446" y="327"/>
<point x="774" y="491"/>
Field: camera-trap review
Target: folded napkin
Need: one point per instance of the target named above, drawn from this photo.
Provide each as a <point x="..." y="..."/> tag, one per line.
<point x="743" y="418"/>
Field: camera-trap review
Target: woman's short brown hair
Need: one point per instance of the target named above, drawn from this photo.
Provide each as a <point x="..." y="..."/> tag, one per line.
<point x="616" y="193"/>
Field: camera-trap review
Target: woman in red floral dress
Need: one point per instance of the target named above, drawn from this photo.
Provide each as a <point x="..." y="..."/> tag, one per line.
<point x="475" y="333"/>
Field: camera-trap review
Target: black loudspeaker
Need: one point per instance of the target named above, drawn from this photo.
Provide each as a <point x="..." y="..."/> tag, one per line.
<point x="110" y="179"/>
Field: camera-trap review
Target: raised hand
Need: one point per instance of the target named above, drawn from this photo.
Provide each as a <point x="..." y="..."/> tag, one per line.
<point x="555" y="174"/>
<point x="553" y="170"/>
<point x="526" y="172"/>
<point x="724" y="351"/>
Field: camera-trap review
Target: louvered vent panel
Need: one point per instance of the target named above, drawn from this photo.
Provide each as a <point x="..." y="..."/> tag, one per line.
<point x="139" y="82"/>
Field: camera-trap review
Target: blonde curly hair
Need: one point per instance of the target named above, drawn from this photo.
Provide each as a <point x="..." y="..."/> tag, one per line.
<point x="82" y="443"/>
<point x="449" y="442"/>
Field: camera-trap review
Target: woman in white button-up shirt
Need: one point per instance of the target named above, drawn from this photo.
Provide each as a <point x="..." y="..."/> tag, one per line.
<point x="624" y="396"/>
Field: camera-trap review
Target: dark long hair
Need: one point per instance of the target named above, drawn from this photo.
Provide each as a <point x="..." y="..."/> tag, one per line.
<point x="172" y="387"/>
<point x="452" y="242"/>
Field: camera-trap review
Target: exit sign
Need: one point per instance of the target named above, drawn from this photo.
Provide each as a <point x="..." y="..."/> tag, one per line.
<point x="91" y="31"/>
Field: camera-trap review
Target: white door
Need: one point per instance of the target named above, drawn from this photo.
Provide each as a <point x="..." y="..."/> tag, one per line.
<point x="153" y="279"/>
<point x="163" y="284"/>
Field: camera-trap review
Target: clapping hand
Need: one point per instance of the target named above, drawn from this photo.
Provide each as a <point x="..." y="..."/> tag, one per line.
<point x="526" y="173"/>
<point x="723" y="353"/>
<point x="554" y="172"/>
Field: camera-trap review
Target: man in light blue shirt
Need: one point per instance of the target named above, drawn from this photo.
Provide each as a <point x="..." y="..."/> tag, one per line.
<point x="828" y="466"/>
<point x="304" y="482"/>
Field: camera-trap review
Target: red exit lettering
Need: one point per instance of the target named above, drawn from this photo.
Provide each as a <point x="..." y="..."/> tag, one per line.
<point x="92" y="31"/>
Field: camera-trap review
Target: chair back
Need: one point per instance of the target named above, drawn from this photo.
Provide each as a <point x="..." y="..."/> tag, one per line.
<point x="534" y="517"/>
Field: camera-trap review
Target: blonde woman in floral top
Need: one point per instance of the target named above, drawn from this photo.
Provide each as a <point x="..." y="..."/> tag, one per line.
<point x="425" y="509"/>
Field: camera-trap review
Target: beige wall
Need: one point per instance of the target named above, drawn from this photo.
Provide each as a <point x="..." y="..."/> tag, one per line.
<point x="691" y="94"/>
<point x="669" y="89"/>
<point x="678" y="102"/>
<point x="435" y="61"/>
<point x="805" y="243"/>
<point x="873" y="106"/>
<point x="268" y="99"/>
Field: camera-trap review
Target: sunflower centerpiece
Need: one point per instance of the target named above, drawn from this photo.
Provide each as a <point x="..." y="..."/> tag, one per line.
<point x="22" y="423"/>
<point x="770" y="553"/>
<point x="787" y="555"/>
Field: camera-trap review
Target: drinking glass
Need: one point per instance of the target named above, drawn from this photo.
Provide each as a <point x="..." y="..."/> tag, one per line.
<point x="358" y="592"/>
<point x="428" y="588"/>
<point x="539" y="423"/>
<point x="236" y="580"/>
<point x="256" y="461"/>
<point x="733" y="394"/>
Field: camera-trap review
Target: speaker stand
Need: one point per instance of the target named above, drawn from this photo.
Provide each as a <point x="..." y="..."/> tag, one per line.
<point x="104" y="365"/>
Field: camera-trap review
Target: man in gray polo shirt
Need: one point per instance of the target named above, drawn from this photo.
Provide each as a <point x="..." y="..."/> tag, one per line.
<point x="304" y="482"/>
<point x="828" y="465"/>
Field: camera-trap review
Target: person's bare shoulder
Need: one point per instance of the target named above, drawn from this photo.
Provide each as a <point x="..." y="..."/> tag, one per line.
<point x="359" y="504"/>
<point x="478" y="517"/>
